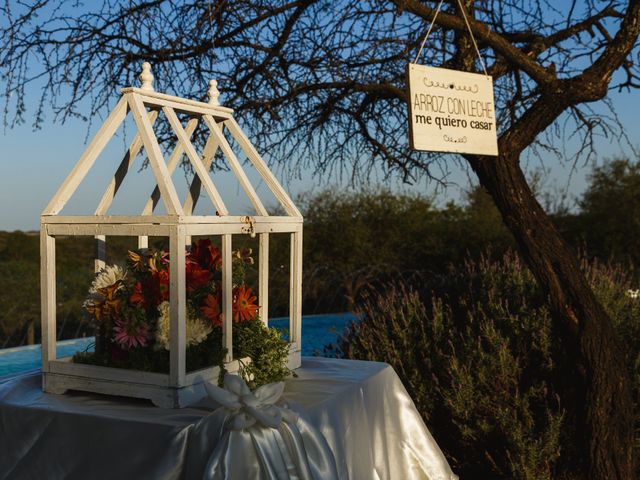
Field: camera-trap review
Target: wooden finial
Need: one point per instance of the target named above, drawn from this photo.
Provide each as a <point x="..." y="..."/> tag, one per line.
<point x="146" y="77"/>
<point x="213" y="93"/>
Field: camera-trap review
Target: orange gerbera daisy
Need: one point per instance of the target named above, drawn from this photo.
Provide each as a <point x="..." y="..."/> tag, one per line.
<point x="244" y="306"/>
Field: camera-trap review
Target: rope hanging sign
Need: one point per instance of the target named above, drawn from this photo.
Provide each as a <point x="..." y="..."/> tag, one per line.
<point x="451" y="110"/>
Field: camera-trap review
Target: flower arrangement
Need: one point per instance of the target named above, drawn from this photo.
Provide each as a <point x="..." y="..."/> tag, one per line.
<point x="131" y="311"/>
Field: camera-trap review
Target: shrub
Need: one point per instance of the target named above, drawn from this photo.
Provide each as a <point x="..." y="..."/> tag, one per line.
<point x="611" y="231"/>
<point x="476" y="355"/>
<point x="352" y="238"/>
<point x="615" y="290"/>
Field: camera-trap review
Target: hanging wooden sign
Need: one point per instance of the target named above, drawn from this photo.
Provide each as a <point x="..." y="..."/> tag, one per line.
<point x="451" y="111"/>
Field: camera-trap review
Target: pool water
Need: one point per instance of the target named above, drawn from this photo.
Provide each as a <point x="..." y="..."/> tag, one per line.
<point x="20" y="359"/>
<point x="317" y="331"/>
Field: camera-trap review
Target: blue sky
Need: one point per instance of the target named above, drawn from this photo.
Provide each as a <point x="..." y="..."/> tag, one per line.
<point x="34" y="163"/>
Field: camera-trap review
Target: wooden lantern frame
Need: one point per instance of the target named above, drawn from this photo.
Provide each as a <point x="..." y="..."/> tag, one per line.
<point x="178" y="388"/>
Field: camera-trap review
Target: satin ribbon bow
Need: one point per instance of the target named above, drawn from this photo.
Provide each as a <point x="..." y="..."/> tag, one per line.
<point x="245" y="407"/>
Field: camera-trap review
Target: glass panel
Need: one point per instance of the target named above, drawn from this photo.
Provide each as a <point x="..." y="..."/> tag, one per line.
<point x="279" y="281"/>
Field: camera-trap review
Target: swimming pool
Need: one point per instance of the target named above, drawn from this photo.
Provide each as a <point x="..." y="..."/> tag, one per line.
<point x="20" y="359"/>
<point x="317" y="331"/>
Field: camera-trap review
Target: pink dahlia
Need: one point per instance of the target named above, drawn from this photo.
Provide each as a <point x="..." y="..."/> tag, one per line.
<point x="131" y="334"/>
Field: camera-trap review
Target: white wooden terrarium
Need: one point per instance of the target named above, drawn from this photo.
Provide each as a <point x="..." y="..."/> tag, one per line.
<point x="178" y="388"/>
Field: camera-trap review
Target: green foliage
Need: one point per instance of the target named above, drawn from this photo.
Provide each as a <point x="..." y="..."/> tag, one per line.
<point x="611" y="211"/>
<point x="266" y="349"/>
<point x="20" y="286"/>
<point x="476" y="354"/>
<point x="613" y="286"/>
<point x="19" y="300"/>
<point x="482" y="225"/>
<point x="352" y="239"/>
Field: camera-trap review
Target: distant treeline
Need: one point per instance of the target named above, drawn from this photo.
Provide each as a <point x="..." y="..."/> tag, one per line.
<point x="350" y="241"/>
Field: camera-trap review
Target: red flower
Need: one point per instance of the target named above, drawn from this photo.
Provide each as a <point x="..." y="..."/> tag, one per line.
<point x="152" y="290"/>
<point x="244" y="306"/>
<point x="163" y="283"/>
<point x="205" y="254"/>
<point x="211" y="309"/>
<point x="196" y="275"/>
<point x="137" y="297"/>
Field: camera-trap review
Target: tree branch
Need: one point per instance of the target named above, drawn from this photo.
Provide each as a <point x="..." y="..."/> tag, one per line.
<point x="497" y="42"/>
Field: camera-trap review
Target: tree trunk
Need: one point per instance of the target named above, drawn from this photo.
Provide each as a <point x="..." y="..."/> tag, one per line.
<point x="600" y="396"/>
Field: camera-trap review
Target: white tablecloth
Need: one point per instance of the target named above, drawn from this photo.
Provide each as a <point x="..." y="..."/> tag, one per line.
<point x="362" y="409"/>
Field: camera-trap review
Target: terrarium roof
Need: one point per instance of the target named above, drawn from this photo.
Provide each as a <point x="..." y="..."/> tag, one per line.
<point x="145" y="105"/>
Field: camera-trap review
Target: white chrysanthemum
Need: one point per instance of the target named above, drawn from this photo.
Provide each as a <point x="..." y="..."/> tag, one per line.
<point x="197" y="330"/>
<point x="106" y="277"/>
<point x="162" y="330"/>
